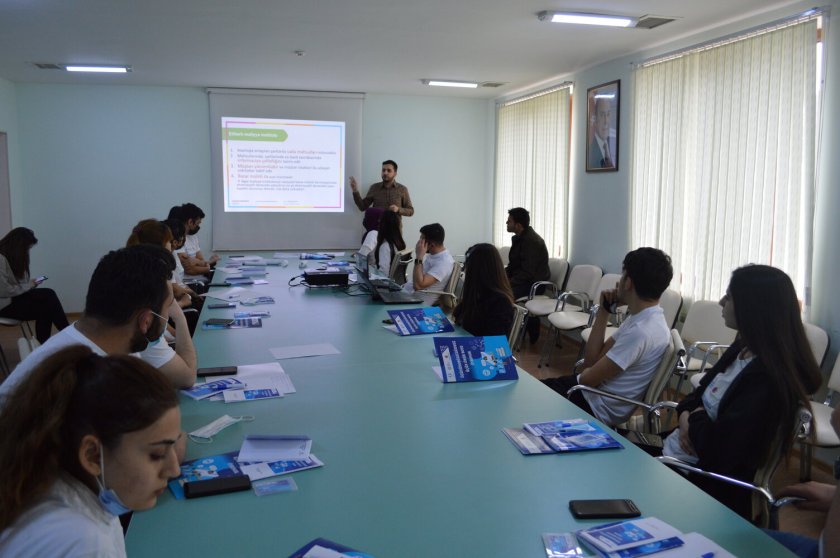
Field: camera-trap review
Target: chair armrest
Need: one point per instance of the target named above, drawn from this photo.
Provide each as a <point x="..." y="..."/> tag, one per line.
<point x="536" y="285"/>
<point x="581" y="387"/>
<point x="563" y="296"/>
<point x="708" y="353"/>
<point x="677" y="464"/>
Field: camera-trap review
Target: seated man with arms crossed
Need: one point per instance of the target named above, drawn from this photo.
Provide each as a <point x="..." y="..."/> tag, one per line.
<point x="625" y="363"/>
<point x="432" y="265"/>
<point x="128" y="297"/>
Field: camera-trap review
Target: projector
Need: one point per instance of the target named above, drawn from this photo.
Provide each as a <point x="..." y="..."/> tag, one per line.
<point x="326" y="278"/>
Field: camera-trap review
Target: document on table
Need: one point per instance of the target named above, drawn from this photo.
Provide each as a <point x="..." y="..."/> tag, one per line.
<point x="297" y="351"/>
<point x="227" y="295"/>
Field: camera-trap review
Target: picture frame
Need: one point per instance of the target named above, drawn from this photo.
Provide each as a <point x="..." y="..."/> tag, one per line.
<point x="602" y="119"/>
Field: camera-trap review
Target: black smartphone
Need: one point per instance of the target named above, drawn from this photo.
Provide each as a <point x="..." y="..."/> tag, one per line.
<point x="219" y="485"/>
<point x="220" y="321"/>
<point x="603" y="509"/>
<point x="222" y="305"/>
<point x="40" y="279"/>
<point x="218" y="371"/>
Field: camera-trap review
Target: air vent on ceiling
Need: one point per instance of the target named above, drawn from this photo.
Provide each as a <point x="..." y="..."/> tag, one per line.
<point x="48" y="66"/>
<point x="650" y="21"/>
<point x="492" y="84"/>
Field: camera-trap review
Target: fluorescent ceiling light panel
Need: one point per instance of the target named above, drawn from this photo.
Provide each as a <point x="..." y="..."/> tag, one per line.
<point x="450" y="83"/>
<point x="99" y="69"/>
<point x="587" y="19"/>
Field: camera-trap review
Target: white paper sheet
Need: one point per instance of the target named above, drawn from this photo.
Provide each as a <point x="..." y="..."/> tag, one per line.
<point x="297" y="351"/>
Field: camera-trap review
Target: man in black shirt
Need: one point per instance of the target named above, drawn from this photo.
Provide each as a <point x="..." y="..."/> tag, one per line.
<point x="528" y="260"/>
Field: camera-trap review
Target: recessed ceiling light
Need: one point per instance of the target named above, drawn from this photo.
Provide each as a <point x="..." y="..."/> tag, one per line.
<point x="449" y="83"/>
<point x="99" y="69"/>
<point x="586" y="19"/>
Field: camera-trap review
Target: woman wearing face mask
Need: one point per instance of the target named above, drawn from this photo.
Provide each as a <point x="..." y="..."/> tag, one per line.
<point x="86" y="438"/>
<point x="752" y="394"/>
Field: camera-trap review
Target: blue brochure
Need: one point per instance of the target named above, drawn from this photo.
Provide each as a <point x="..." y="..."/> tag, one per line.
<point x="472" y="359"/>
<point x="327" y="545"/>
<point x="420" y="321"/>
<point x="205" y="468"/>
<point x="569" y="435"/>
<point x="311" y="256"/>
<point x="203" y="391"/>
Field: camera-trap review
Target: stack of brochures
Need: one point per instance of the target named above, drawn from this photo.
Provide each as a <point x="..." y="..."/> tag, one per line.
<point x="560" y="436"/>
<point x="635" y="537"/>
<point x="260" y="457"/>
<point x="253" y="382"/>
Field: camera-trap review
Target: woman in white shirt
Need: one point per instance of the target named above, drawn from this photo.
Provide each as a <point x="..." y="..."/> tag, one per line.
<point x="19" y="297"/>
<point x="86" y="439"/>
<point x="751" y="396"/>
<point x="389" y="241"/>
<point x="371" y="223"/>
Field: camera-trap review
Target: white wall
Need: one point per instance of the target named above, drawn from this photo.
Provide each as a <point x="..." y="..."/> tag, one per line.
<point x="97" y="159"/>
<point x="440" y="147"/>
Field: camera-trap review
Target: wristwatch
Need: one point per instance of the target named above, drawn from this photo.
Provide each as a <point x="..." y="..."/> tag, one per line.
<point x="418" y="261"/>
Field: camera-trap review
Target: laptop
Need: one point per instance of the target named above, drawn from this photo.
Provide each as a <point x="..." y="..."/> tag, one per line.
<point x="380" y="289"/>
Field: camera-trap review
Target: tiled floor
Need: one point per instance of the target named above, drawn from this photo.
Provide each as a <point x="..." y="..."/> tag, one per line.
<point x="562" y="360"/>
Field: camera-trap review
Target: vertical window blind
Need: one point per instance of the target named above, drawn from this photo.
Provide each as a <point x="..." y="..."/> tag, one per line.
<point x="532" y="166"/>
<point x="723" y="169"/>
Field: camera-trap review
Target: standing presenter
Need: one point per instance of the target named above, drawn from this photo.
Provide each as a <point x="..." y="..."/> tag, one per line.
<point x="388" y="194"/>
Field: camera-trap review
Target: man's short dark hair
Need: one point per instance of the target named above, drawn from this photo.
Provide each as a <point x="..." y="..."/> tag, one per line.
<point x="128" y="280"/>
<point x="390" y="162"/>
<point x="433" y="233"/>
<point x="520" y="215"/>
<point x="191" y="211"/>
<point x="651" y="271"/>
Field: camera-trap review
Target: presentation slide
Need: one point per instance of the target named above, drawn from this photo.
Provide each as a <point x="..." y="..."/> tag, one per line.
<point x="282" y="165"/>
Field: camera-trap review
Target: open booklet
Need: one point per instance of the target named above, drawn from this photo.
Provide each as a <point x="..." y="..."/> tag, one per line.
<point x="473" y="359"/>
<point x="560" y="436"/>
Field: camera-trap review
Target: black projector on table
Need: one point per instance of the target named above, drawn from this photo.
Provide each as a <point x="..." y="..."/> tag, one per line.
<point x="326" y="278"/>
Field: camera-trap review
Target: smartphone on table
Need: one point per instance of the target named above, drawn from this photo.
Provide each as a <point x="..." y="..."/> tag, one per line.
<point x="603" y="509"/>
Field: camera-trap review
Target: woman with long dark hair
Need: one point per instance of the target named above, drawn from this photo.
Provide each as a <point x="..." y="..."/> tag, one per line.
<point x="389" y="241"/>
<point x="19" y="297"/>
<point x="751" y="396"/>
<point x="486" y="305"/>
<point x="371" y="224"/>
<point x="86" y="439"/>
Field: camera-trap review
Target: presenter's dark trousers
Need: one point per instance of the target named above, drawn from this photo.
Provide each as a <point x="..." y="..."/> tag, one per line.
<point x="41" y="305"/>
<point x="562" y="385"/>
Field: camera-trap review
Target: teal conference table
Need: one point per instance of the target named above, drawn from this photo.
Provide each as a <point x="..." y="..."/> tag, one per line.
<point x="413" y="467"/>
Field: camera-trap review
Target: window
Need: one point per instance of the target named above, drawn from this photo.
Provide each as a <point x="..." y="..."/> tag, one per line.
<point x="532" y="166"/>
<point x="723" y="167"/>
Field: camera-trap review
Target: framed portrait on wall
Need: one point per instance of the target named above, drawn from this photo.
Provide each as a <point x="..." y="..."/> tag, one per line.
<point x="602" y="105"/>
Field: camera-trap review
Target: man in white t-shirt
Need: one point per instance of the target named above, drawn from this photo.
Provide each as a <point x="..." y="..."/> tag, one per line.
<point x="625" y="363"/>
<point x="193" y="261"/>
<point x="128" y="297"/>
<point x="432" y="264"/>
